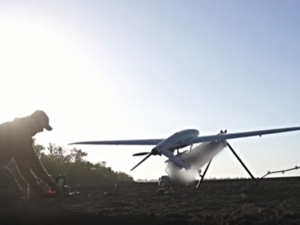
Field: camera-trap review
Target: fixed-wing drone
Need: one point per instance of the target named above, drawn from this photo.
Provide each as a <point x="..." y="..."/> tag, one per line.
<point x="195" y="158"/>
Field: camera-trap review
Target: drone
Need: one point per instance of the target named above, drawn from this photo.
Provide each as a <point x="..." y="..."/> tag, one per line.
<point x="195" y="158"/>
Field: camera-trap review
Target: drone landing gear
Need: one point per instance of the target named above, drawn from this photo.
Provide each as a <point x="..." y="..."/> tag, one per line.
<point x="245" y="167"/>
<point x="202" y="176"/>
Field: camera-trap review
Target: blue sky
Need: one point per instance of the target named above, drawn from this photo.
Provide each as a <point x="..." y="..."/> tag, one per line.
<point x="145" y="69"/>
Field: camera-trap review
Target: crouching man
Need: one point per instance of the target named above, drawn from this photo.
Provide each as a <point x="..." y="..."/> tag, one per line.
<point x="16" y="143"/>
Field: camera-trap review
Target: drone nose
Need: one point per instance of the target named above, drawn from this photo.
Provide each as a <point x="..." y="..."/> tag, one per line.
<point x="154" y="151"/>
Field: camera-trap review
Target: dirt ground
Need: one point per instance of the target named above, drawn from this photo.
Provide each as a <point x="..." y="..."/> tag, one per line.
<point x="272" y="201"/>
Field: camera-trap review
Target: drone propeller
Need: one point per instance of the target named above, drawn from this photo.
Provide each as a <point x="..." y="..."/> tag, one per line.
<point x="142" y="161"/>
<point x="153" y="152"/>
<point x="166" y="153"/>
<point x="141" y="153"/>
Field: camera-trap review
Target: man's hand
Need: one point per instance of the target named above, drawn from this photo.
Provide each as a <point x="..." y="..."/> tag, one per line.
<point x="54" y="187"/>
<point x="39" y="190"/>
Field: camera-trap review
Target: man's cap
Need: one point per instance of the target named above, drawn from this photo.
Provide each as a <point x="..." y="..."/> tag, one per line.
<point x="42" y="118"/>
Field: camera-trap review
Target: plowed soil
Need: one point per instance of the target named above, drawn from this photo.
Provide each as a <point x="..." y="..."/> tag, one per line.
<point x="272" y="201"/>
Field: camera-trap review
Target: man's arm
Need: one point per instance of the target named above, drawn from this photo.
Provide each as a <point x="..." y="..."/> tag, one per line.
<point x="24" y="170"/>
<point x="36" y="166"/>
<point x="27" y="175"/>
<point x="27" y="159"/>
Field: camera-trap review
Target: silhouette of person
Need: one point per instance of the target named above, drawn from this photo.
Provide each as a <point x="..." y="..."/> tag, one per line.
<point x="16" y="142"/>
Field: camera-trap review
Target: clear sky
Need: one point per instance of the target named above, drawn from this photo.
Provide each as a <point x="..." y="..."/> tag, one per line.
<point x="107" y="70"/>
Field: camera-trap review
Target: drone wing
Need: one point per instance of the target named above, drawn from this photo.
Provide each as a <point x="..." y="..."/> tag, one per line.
<point x="224" y="136"/>
<point x="121" y="142"/>
<point x="218" y="137"/>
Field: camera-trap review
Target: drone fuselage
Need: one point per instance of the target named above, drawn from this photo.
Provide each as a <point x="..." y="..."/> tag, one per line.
<point x="198" y="156"/>
<point x="201" y="154"/>
<point x="177" y="140"/>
